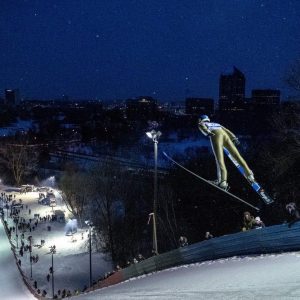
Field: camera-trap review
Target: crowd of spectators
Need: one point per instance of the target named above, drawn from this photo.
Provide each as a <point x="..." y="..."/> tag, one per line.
<point x="20" y="226"/>
<point x="61" y="294"/>
<point x="135" y="260"/>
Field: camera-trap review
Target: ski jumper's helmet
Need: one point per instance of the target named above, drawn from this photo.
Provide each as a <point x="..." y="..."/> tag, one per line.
<point x="204" y="118"/>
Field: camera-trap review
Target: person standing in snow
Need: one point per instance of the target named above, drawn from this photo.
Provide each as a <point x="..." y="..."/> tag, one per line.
<point x="222" y="137"/>
<point x="248" y="221"/>
<point x="208" y="235"/>
<point x="294" y="213"/>
<point x="183" y="241"/>
<point x="258" y="223"/>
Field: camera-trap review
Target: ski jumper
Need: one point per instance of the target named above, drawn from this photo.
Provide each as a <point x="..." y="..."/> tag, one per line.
<point x="222" y="137"/>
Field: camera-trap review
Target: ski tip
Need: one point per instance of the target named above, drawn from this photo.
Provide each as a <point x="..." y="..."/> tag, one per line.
<point x="165" y="154"/>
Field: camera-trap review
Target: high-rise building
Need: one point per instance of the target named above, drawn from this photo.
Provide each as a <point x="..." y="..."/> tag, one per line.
<point x="12" y="97"/>
<point x="232" y="91"/>
<point x="197" y="106"/>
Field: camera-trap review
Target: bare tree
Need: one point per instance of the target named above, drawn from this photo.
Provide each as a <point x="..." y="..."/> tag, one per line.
<point x="287" y="151"/>
<point x="21" y="159"/>
<point x="117" y="202"/>
<point x="77" y="190"/>
<point x="167" y="217"/>
<point x="105" y="187"/>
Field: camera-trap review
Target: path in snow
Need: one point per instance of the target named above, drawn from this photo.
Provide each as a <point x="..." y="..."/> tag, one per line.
<point x="71" y="261"/>
<point x="12" y="286"/>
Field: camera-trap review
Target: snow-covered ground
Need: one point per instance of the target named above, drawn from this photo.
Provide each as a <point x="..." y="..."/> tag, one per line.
<point x="272" y="276"/>
<point x="12" y="286"/>
<point x="275" y="276"/>
<point x="71" y="261"/>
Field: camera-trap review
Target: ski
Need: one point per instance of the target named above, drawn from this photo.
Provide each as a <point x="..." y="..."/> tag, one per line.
<point x="255" y="185"/>
<point x="208" y="182"/>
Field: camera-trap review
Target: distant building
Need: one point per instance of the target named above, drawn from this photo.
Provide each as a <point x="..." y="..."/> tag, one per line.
<point x="291" y="103"/>
<point x="265" y="97"/>
<point x="12" y="97"/>
<point x="142" y="108"/>
<point x="232" y="91"/>
<point x="197" y="106"/>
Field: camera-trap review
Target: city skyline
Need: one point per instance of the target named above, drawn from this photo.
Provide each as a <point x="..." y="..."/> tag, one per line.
<point x="125" y="49"/>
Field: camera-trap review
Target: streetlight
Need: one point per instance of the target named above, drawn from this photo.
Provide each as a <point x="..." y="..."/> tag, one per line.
<point x="30" y="251"/>
<point x="2" y="199"/>
<point x="17" y="236"/>
<point x="90" y="224"/>
<point x="52" y="251"/>
<point x="154" y="135"/>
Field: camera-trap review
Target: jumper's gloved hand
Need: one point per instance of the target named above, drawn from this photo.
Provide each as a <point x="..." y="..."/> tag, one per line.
<point x="236" y="141"/>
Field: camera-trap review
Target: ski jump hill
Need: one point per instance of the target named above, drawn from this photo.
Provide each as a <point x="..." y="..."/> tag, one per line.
<point x="273" y="239"/>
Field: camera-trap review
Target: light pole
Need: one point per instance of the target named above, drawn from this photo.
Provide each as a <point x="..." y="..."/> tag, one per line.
<point x="7" y="208"/>
<point x="17" y="236"/>
<point x="90" y="224"/>
<point x="154" y="135"/>
<point x="30" y="252"/>
<point x="2" y="200"/>
<point x="52" y="251"/>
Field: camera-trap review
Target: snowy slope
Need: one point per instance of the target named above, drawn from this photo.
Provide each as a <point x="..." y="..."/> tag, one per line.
<point x="11" y="283"/>
<point x="71" y="261"/>
<point x="274" y="276"/>
<point x="258" y="277"/>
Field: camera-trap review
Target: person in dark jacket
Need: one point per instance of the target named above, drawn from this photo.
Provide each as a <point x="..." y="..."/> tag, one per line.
<point x="248" y="221"/>
<point x="293" y="212"/>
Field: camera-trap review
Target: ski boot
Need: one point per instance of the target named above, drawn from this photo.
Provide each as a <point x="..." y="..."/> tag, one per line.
<point x="250" y="178"/>
<point x="224" y="185"/>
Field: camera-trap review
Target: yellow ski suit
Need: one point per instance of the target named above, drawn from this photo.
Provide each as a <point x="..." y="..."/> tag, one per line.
<point x="222" y="137"/>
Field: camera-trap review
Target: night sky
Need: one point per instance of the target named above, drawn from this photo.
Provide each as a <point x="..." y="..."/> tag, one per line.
<point x="118" y="49"/>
